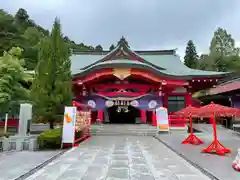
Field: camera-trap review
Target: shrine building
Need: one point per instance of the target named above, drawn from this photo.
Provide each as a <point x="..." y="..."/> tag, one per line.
<point x="126" y="86"/>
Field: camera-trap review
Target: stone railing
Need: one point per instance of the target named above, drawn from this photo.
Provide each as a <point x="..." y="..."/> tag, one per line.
<point x="39" y="127"/>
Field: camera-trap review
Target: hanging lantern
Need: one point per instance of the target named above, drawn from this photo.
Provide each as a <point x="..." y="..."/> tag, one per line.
<point x="160" y="91"/>
<point x="84" y="91"/>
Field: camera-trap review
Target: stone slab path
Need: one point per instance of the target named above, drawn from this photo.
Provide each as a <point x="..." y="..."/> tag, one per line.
<point x="14" y="164"/>
<point x="119" y="158"/>
<point x="219" y="166"/>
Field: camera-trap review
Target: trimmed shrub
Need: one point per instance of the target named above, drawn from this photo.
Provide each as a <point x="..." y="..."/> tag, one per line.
<point x="50" y="139"/>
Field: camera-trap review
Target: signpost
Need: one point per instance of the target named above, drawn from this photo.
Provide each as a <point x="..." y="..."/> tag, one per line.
<point x="68" y="133"/>
<point x="162" y="119"/>
<point x="76" y="124"/>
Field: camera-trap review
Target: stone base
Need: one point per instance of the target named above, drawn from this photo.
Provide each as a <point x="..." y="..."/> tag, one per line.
<point x="19" y="143"/>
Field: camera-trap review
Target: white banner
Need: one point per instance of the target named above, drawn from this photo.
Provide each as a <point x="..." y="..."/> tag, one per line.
<point x="69" y="121"/>
<point x="162" y="119"/>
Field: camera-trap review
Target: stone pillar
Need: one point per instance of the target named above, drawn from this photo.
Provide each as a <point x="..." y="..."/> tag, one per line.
<point x="33" y="144"/>
<point x="100" y="115"/>
<point x="24" y="118"/>
<point x="6" y="144"/>
<point x="154" y="118"/>
<point x="143" y="116"/>
<point x="19" y="144"/>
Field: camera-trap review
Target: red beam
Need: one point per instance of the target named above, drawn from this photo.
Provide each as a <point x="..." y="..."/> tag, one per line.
<point x="121" y="93"/>
<point x="103" y="87"/>
<point x="93" y="76"/>
<point x="141" y="73"/>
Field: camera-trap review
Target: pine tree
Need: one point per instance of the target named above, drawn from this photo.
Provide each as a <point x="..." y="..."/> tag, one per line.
<point x="51" y="89"/>
<point x="111" y="47"/>
<point x="98" y="48"/>
<point x="191" y="57"/>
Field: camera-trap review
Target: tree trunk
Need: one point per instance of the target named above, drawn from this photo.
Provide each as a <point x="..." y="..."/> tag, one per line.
<point x="51" y="124"/>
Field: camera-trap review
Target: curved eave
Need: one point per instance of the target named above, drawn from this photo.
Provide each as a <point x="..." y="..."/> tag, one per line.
<point x="108" y="55"/>
<point x="211" y="74"/>
<point x="128" y="65"/>
<point x="100" y="60"/>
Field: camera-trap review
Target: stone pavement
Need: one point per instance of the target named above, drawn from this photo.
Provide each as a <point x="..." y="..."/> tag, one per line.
<point x="219" y="166"/>
<point x="14" y="164"/>
<point x="119" y="158"/>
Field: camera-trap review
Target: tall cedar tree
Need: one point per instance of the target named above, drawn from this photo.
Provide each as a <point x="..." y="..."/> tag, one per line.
<point x="51" y="88"/>
<point x="191" y="57"/>
<point x="111" y="47"/>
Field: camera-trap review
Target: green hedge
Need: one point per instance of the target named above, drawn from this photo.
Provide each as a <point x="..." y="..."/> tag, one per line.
<point x="50" y="139"/>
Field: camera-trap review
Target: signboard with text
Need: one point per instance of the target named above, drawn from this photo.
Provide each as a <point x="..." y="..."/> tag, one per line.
<point x="162" y="119"/>
<point x="68" y="133"/>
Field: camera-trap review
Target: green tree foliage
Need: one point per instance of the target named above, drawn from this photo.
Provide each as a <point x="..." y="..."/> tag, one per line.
<point x="222" y="50"/>
<point x="21" y="16"/>
<point x="111" y="47"/>
<point x="191" y="56"/>
<point x="98" y="48"/>
<point x="51" y="89"/>
<point x="11" y="77"/>
<point x="21" y="31"/>
<point x="223" y="53"/>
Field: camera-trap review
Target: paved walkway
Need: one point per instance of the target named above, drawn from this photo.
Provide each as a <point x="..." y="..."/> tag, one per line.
<point x="119" y="158"/>
<point x="14" y="164"/>
<point x="219" y="166"/>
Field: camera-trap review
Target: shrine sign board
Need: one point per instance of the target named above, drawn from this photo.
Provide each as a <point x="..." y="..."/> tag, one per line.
<point x="162" y="119"/>
<point x="69" y="121"/>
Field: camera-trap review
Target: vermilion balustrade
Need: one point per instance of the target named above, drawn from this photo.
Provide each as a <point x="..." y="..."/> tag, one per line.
<point x="10" y="123"/>
<point x="176" y="121"/>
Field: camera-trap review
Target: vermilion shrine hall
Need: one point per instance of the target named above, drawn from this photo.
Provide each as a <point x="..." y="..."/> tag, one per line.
<point x="126" y="86"/>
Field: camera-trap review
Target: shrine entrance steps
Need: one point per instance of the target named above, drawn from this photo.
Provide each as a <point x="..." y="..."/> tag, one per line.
<point x="124" y="129"/>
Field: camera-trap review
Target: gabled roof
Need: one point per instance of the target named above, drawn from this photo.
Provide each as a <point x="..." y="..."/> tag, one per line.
<point x="164" y="62"/>
<point x="122" y="51"/>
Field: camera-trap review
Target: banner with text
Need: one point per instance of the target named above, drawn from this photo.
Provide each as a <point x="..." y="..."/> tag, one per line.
<point x="162" y="119"/>
<point x="69" y="122"/>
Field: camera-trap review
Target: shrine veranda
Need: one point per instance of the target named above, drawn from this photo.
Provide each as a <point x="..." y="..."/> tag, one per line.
<point x="126" y="86"/>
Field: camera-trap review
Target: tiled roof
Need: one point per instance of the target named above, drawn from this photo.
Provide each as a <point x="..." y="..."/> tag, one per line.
<point x="165" y="62"/>
<point x="226" y="87"/>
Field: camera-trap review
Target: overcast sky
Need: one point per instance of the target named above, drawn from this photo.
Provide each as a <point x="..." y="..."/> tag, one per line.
<point x="146" y="24"/>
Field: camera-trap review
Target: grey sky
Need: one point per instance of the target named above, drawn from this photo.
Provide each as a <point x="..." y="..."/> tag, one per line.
<point x="146" y="24"/>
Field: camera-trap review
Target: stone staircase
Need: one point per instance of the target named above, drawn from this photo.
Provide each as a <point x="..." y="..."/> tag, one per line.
<point x="124" y="129"/>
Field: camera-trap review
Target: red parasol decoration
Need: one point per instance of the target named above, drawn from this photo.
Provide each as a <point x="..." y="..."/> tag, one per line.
<point x="213" y="110"/>
<point x="188" y="112"/>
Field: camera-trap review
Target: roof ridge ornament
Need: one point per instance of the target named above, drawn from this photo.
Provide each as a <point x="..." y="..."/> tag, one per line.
<point x="123" y="42"/>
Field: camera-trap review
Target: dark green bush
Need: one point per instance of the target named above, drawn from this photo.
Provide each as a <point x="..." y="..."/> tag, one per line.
<point x="50" y="139"/>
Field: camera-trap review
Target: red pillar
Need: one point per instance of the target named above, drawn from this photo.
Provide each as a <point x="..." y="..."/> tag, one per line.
<point x="188" y="99"/>
<point x="143" y="115"/>
<point x="100" y="115"/>
<point x="154" y="118"/>
<point x="165" y="100"/>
